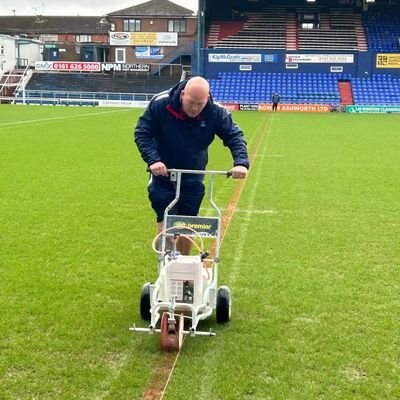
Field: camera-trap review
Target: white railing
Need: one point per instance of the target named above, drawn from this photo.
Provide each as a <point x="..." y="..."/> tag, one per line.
<point x="59" y="97"/>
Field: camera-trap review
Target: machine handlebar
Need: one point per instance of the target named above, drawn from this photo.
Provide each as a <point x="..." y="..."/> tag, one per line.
<point x="228" y="174"/>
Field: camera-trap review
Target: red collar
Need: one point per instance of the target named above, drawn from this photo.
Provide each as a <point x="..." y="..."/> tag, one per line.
<point x="180" y="115"/>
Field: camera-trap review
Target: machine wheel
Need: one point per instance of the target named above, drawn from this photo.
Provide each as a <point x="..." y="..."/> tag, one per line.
<point x="169" y="334"/>
<point x="223" y="310"/>
<point x="145" y="302"/>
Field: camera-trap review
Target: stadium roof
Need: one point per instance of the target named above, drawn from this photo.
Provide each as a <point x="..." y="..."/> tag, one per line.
<point x="49" y="24"/>
<point x="154" y="8"/>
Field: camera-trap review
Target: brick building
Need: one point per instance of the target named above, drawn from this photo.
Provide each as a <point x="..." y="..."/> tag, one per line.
<point x="158" y="31"/>
<point x="63" y="38"/>
<point x="162" y="17"/>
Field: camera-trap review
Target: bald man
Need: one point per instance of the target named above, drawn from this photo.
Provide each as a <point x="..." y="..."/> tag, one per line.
<point x="175" y="131"/>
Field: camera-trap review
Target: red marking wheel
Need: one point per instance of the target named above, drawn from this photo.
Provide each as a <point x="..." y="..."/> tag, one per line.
<point x="171" y="335"/>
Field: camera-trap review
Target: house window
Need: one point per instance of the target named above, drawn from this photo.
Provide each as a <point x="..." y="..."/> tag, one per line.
<point x="176" y="25"/>
<point x="120" y="55"/>
<point x="131" y="25"/>
<point x="83" y="38"/>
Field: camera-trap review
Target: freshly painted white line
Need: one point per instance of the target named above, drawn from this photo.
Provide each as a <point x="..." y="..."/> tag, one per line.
<point x="209" y="211"/>
<point x="269" y="155"/>
<point x="238" y="258"/>
<point x="33" y="121"/>
<point x="239" y="210"/>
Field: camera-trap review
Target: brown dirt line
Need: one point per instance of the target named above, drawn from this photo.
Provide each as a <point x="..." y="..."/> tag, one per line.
<point x="163" y="370"/>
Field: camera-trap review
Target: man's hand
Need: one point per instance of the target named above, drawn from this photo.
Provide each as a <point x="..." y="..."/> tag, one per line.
<point x="239" y="172"/>
<point x="158" y="168"/>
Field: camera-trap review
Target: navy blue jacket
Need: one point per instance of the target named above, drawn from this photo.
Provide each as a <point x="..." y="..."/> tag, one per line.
<point x="164" y="133"/>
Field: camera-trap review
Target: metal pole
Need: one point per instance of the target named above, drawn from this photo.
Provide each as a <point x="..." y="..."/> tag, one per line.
<point x="200" y="3"/>
<point x="200" y="35"/>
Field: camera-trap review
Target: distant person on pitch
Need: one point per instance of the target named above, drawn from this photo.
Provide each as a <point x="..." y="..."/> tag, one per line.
<point x="275" y="101"/>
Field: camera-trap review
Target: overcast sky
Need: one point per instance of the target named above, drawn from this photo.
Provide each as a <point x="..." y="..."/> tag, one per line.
<point x="75" y="7"/>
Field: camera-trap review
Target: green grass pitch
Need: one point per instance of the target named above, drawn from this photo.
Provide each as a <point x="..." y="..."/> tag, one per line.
<point x="311" y="256"/>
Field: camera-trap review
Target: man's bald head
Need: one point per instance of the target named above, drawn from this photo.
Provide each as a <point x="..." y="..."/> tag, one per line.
<point x="195" y="95"/>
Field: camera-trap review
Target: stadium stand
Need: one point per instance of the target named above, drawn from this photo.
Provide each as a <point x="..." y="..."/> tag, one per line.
<point x="222" y="29"/>
<point x="301" y="88"/>
<point x="286" y="29"/>
<point x="360" y="32"/>
<point x="84" y="89"/>
<point x="279" y="28"/>
<point x="306" y="88"/>
<point x="382" y="89"/>
<point x="262" y="30"/>
<point x="99" y="83"/>
<point x="336" y="31"/>
<point x="382" y="29"/>
<point x="319" y="29"/>
<point x="291" y="31"/>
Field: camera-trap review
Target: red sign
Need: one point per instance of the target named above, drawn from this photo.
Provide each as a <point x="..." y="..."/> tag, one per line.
<point x="297" y="107"/>
<point x="75" y="66"/>
<point x="230" y="106"/>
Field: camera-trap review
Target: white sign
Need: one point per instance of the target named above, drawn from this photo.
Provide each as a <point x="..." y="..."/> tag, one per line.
<point x="123" y="103"/>
<point x="167" y="39"/>
<point x="143" y="38"/>
<point x="120" y="38"/>
<point x="320" y="58"/>
<point x="49" y="38"/>
<point x="234" y="58"/>
<point x="122" y="67"/>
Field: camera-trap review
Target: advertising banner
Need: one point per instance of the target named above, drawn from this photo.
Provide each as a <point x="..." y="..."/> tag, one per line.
<point x="143" y="38"/>
<point x="67" y="66"/>
<point x="321" y="108"/>
<point x="388" y="60"/>
<point x="152" y="52"/>
<point x="248" y="107"/>
<point x="320" y="58"/>
<point x="230" y="106"/>
<point x="122" y="67"/>
<point x="49" y="38"/>
<point x="270" y="58"/>
<point x="123" y="103"/>
<point x="204" y="226"/>
<point x="373" y="109"/>
<point x="89" y="66"/>
<point x="234" y="58"/>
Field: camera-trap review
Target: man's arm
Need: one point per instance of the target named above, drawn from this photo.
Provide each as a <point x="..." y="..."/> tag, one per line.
<point x="233" y="137"/>
<point x="145" y="133"/>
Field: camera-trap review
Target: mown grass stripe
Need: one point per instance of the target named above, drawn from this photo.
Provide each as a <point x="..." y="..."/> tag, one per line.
<point x="73" y="116"/>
